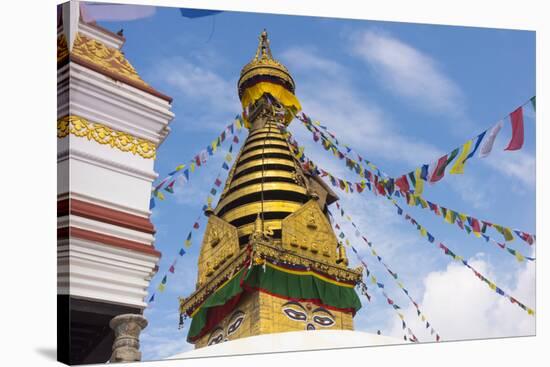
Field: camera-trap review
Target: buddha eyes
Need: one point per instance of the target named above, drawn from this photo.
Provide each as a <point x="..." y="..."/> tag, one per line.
<point x="319" y="316"/>
<point x="295" y="314"/>
<point x="235" y="323"/>
<point x="216" y="337"/>
<point x="323" y="320"/>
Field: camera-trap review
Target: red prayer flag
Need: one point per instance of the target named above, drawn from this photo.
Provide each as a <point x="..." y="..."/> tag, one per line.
<point x="403" y="184"/>
<point x="196" y="225"/>
<point x="475" y="225"/>
<point x="516" y="118"/>
<point x="171" y="270"/>
<point x="439" y="170"/>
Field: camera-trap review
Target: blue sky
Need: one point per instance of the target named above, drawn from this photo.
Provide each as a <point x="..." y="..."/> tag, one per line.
<point x="401" y="95"/>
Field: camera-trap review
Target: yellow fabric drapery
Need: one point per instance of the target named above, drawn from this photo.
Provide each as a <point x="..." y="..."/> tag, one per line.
<point x="256" y="91"/>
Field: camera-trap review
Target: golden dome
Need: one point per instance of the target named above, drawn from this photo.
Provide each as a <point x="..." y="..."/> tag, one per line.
<point x="264" y="68"/>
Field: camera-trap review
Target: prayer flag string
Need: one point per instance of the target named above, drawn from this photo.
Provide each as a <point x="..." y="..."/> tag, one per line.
<point x="431" y="239"/>
<point x="393" y="274"/>
<point x="413" y="192"/>
<point x="182" y="171"/>
<point x="309" y="166"/>
<point x="379" y="285"/>
<point x="196" y="226"/>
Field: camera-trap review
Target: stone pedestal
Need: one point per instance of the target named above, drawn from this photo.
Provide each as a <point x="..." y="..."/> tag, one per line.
<point x="127" y="328"/>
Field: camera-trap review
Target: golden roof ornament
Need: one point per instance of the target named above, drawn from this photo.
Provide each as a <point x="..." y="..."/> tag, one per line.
<point x="264" y="67"/>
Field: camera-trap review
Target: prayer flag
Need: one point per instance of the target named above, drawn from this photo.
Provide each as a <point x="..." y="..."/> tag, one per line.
<point x="478" y="141"/>
<point x="182" y="252"/>
<point x="152" y="299"/>
<point x="225" y="166"/>
<point x="488" y="143"/>
<point x="151" y="203"/>
<point x="196" y="225"/>
<point x="402" y="183"/>
<point x="172" y="269"/>
<point x="458" y="167"/>
<point x="424" y="174"/>
<point x="186" y="174"/>
<point x="419" y="185"/>
<point x="236" y="139"/>
<point x="218" y="182"/>
<point x="161" y="287"/>
<point x="534" y="102"/>
<point x="516" y="119"/>
<point x="439" y="170"/>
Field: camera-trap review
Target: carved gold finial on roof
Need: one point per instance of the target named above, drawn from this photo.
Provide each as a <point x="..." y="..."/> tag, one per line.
<point x="264" y="51"/>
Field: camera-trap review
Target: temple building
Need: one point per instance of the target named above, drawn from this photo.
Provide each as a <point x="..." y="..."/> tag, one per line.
<point x="110" y="123"/>
<point x="269" y="261"/>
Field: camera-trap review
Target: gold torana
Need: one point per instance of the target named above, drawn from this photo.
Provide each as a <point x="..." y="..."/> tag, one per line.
<point x="271" y="215"/>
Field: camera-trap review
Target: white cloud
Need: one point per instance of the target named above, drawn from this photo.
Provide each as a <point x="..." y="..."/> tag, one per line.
<point x="407" y="71"/>
<point x="518" y="165"/>
<point x="210" y="99"/>
<point x="325" y="88"/>
<point x="460" y="306"/>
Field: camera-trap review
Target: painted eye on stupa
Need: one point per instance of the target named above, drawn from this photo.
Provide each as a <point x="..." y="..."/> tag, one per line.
<point x="295" y="311"/>
<point x="323" y="317"/>
<point x="235" y="322"/>
<point x="323" y="320"/>
<point x="216" y="336"/>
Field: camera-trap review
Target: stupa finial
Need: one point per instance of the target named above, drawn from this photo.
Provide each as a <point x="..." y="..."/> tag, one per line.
<point x="264" y="51"/>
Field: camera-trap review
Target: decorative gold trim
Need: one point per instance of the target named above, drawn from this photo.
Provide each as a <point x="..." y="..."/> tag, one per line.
<point x="272" y="134"/>
<point x="188" y="304"/>
<point x="271" y="225"/>
<point x="256" y="175"/>
<point x="258" y="163"/>
<point x="255" y="208"/>
<point x="264" y="250"/>
<point x="254" y="188"/>
<point x="265" y="151"/>
<point x="259" y="143"/>
<point x="80" y="127"/>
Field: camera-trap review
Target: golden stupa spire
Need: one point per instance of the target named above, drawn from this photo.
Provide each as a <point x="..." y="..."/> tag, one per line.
<point x="269" y="232"/>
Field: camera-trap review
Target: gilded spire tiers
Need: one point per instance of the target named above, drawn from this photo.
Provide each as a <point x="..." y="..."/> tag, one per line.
<point x="269" y="261"/>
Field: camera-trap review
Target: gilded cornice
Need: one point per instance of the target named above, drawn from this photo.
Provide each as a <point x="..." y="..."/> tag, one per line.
<point x="93" y="51"/>
<point x="82" y="128"/>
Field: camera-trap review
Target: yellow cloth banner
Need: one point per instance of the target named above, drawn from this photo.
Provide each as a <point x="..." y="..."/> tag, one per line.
<point x="458" y="167"/>
<point x="419" y="186"/>
<point x="256" y="91"/>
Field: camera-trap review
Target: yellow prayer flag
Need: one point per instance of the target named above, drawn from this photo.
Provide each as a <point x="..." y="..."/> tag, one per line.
<point x="419" y="186"/>
<point x="492" y="286"/>
<point x="519" y="256"/>
<point x="423" y="202"/>
<point x="180" y="167"/>
<point x="449" y="216"/>
<point x="215" y="145"/>
<point x="458" y="167"/>
<point x="423" y="318"/>
<point x="209" y="200"/>
<point x="373" y="279"/>
<point x="530" y="311"/>
<point x="463" y="217"/>
<point x="187" y="243"/>
<point x="192" y="167"/>
<point x="161" y="287"/>
<point x="401" y="316"/>
<point x="160" y="195"/>
<point x="423" y="232"/>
